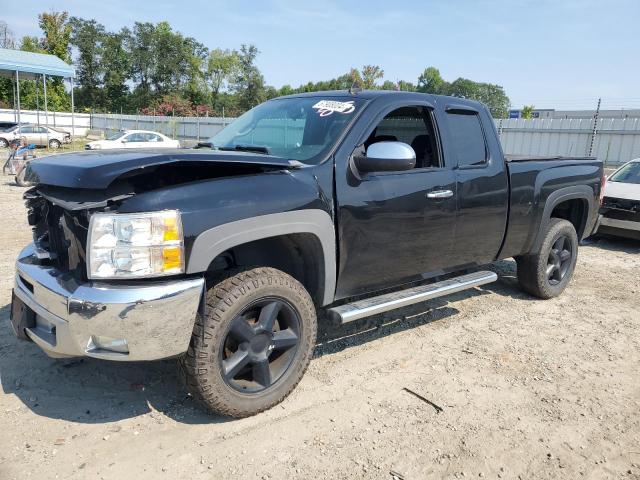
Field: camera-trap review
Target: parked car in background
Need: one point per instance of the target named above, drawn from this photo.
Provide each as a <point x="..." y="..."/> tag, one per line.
<point x="620" y="212"/>
<point x="7" y="125"/>
<point x="134" y="139"/>
<point x="35" y="134"/>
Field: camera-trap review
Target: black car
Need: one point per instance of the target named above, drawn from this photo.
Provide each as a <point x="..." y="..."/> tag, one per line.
<point x="6" y="125"/>
<point x="351" y="203"/>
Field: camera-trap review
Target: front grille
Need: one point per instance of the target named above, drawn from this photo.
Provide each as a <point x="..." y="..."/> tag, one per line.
<point x="621" y="204"/>
<point x="60" y="233"/>
<point x="621" y="209"/>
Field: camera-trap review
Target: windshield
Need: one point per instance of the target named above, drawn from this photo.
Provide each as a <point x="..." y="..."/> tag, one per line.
<point x="630" y="173"/>
<point x="116" y="136"/>
<point x="302" y="129"/>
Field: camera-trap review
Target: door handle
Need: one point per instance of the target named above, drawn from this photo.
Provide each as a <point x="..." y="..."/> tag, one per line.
<point x="440" y="194"/>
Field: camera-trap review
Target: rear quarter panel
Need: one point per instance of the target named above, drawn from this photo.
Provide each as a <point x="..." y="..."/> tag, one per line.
<point x="536" y="186"/>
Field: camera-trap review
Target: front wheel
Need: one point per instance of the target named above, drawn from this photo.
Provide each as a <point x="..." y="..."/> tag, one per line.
<point x="4" y="143"/>
<point x="547" y="272"/>
<point x="252" y="345"/>
<point x="54" y="144"/>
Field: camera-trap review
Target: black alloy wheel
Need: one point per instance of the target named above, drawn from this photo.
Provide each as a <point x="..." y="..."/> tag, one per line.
<point x="559" y="260"/>
<point x="260" y="345"/>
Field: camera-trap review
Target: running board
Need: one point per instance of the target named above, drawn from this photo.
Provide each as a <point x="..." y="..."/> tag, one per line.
<point x="390" y="301"/>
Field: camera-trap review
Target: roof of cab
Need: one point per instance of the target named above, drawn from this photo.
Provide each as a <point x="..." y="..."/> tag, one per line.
<point x="373" y="94"/>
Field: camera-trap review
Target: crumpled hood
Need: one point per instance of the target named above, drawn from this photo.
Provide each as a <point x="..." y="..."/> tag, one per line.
<point x="98" y="169"/>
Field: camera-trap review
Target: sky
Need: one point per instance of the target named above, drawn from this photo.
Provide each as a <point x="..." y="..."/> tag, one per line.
<point x="562" y="54"/>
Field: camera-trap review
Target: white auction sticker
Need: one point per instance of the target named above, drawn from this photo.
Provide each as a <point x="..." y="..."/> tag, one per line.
<point x="327" y="107"/>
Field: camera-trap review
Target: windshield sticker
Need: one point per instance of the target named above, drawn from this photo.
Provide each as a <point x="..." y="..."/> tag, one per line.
<point x="327" y="107"/>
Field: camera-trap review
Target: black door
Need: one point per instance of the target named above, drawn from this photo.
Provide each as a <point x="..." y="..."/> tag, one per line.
<point x="482" y="185"/>
<point x="396" y="226"/>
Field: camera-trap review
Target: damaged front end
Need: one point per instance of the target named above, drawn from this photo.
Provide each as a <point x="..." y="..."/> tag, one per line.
<point x="66" y="312"/>
<point x="620" y="217"/>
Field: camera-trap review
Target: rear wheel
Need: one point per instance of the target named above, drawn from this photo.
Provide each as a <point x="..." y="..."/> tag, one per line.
<point x="253" y="344"/>
<point x="54" y="144"/>
<point x="547" y="272"/>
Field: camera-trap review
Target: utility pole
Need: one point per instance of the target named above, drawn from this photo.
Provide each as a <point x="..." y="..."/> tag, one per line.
<point x="595" y="128"/>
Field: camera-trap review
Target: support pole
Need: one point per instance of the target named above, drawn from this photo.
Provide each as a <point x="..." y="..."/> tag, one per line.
<point x="37" y="103"/>
<point x="595" y="128"/>
<point x="46" y="107"/>
<point x="73" y="123"/>
<point x="18" y="97"/>
<point x="13" y="90"/>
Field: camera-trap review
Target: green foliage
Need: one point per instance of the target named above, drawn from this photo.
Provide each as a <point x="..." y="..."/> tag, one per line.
<point x="223" y="66"/>
<point x="527" y="112"/>
<point x="57" y="33"/>
<point x="249" y="82"/>
<point x="154" y="68"/>
<point x="430" y="81"/>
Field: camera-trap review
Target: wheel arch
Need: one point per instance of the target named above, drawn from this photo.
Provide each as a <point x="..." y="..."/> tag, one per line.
<point x="301" y="243"/>
<point x="574" y="204"/>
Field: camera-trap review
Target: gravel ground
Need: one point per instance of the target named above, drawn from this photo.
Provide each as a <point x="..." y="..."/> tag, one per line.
<point x="528" y="389"/>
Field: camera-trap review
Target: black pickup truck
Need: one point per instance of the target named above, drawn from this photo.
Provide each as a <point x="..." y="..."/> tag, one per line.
<point x="352" y="203"/>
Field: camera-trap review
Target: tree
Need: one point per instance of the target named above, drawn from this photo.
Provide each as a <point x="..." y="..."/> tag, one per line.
<point x="7" y="40"/>
<point x="249" y="82"/>
<point x="57" y="34"/>
<point x="88" y="37"/>
<point x="142" y="57"/>
<point x="430" y="81"/>
<point x="222" y="68"/>
<point x="116" y="60"/>
<point x="370" y="74"/>
<point x="527" y="112"/>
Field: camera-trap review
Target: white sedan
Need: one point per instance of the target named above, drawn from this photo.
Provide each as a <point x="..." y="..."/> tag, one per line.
<point x="620" y="212"/>
<point x="134" y="139"/>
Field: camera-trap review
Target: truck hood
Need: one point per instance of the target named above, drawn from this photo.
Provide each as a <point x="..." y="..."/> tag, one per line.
<point x="98" y="169"/>
<point x="627" y="191"/>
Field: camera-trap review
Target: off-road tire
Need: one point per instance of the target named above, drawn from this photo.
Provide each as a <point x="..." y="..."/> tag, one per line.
<point x="532" y="268"/>
<point x="200" y="365"/>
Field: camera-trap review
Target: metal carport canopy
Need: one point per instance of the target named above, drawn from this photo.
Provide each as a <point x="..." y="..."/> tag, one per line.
<point x="30" y="65"/>
<point x="33" y="64"/>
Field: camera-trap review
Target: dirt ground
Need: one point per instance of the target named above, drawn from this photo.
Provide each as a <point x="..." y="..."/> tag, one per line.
<point x="529" y="389"/>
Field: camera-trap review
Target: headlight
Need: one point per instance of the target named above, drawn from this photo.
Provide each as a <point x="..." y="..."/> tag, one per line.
<point x="135" y="245"/>
<point x="96" y="146"/>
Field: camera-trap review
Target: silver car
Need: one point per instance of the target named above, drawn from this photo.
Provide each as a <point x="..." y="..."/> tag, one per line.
<point x="620" y="211"/>
<point x="36" y="135"/>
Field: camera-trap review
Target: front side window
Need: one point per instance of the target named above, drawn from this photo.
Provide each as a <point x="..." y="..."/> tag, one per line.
<point x="135" y="137"/>
<point x="116" y="136"/>
<point x="467" y="138"/>
<point x="630" y="173"/>
<point x="298" y="128"/>
<point x="412" y="125"/>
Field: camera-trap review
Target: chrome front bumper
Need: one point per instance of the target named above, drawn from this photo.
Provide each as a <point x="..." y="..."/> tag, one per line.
<point x="135" y="321"/>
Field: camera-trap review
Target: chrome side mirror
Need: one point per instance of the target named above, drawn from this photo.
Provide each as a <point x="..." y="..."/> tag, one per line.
<point x="387" y="157"/>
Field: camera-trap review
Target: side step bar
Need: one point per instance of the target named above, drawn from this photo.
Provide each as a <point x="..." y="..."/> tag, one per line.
<point x="390" y="301"/>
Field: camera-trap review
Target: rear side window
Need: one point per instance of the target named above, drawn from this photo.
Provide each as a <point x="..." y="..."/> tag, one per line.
<point x="467" y="138"/>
